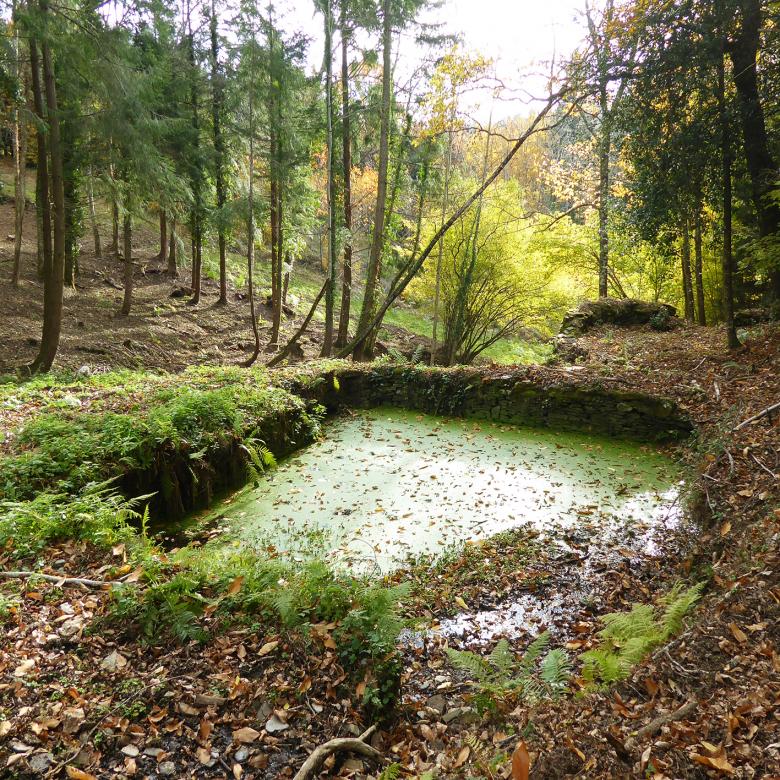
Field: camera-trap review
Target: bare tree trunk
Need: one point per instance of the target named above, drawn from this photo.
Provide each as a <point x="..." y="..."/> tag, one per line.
<point x="20" y="159"/>
<point x="163" y="236"/>
<point x="605" y="145"/>
<point x="701" y="314"/>
<point x="250" y="230"/>
<point x="43" y="201"/>
<point x="93" y="215"/>
<point x="127" y="237"/>
<point x="219" y="154"/>
<point x="758" y="156"/>
<point x="277" y="231"/>
<point x="114" y="248"/>
<point x="373" y="271"/>
<point x="197" y="194"/>
<point x="444" y="206"/>
<point x="54" y="280"/>
<point x="330" y="293"/>
<point x="346" y="157"/>
<point x="728" y="259"/>
<point x="172" y="271"/>
<point x="686" y="270"/>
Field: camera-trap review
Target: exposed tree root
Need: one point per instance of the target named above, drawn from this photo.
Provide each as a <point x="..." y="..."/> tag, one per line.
<point x="340" y="744"/>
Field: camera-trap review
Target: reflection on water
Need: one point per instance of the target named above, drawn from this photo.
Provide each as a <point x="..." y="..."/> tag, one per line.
<point x="387" y="484"/>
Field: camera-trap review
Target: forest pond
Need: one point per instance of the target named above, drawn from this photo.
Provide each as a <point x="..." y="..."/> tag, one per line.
<point x="387" y="484"/>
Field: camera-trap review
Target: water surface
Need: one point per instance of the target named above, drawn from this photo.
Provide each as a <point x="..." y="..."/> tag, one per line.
<point x="386" y="484"/>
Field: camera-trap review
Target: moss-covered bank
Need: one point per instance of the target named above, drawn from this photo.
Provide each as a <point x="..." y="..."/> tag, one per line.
<point x="549" y="399"/>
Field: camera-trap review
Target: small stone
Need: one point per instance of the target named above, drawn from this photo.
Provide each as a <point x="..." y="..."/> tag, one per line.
<point x="153" y="751"/>
<point x="71" y="401"/>
<point x="241" y="754"/>
<point x="70" y="628"/>
<point x="131" y="750"/>
<point x="167" y="768"/>
<point x="40" y="762"/>
<point x="274" y="725"/>
<point x="462" y="715"/>
<point x="437" y="703"/>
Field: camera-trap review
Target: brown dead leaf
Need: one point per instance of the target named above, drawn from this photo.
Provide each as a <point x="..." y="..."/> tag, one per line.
<point x="463" y="756"/>
<point x="738" y="633"/>
<point x="235" y="586"/>
<point x="715" y="762"/>
<point x="203" y="755"/>
<point x="246" y="735"/>
<point x="268" y="647"/>
<point x="521" y="762"/>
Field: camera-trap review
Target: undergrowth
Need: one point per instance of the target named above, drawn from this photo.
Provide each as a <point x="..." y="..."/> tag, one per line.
<point x="627" y="637"/>
<point x="501" y="675"/>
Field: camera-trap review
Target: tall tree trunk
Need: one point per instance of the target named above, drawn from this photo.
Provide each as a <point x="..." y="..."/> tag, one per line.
<point x="71" y="238"/>
<point x="727" y="259"/>
<point x="172" y="270"/>
<point x="686" y="270"/>
<point x="217" y="99"/>
<point x="760" y="163"/>
<point x="54" y="280"/>
<point x="373" y="271"/>
<point x="444" y="207"/>
<point x="330" y="293"/>
<point x="20" y="156"/>
<point x="42" y="199"/>
<point x="93" y="215"/>
<point x="161" y="255"/>
<point x="250" y="231"/>
<point x="605" y="146"/>
<point x="197" y="174"/>
<point x="701" y="314"/>
<point x="114" y="248"/>
<point x="346" y="161"/>
<point x="127" y="239"/>
<point x="277" y="186"/>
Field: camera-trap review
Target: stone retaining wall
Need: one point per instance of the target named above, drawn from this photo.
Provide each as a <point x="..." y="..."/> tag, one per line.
<point x="508" y="397"/>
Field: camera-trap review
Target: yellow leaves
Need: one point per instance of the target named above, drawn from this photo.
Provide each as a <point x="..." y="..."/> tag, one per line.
<point x="78" y="774"/>
<point x="461" y="603"/>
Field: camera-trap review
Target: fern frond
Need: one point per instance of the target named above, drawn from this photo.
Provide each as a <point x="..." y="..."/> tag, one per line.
<point x="678" y="603"/>
<point x="503" y="659"/>
<point x="533" y="653"/>
<point x="392" y="772"/>
<point x="471" y="663"/>
<point x="621" y="626"/>
<point x="555" y="670"/>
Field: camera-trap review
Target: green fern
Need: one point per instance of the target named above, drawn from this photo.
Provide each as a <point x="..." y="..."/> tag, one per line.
<point x="392" y="772"/>
<point x="501" y="673"/>
<point x="629" y="636"/>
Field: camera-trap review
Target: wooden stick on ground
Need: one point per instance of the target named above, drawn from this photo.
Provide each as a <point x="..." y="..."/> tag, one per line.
<point x="661" y="720"/>
<point x="762" y="413"/>
<point x="60" y="580"/>
<point x="340" y="744"/>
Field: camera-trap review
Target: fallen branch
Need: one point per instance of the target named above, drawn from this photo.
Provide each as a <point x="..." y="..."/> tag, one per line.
<point x="661" y="720"/>
<point x="762" y="413"/>
<point x="23" y="575"/>
<point x="340" y="744"/>
<point x="298" y="333"/>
